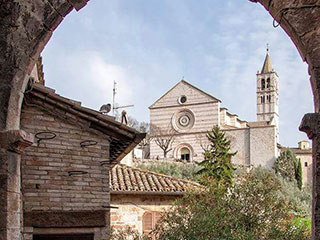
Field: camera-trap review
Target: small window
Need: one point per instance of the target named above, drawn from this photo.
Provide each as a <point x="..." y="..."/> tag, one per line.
<point x="182" y="99"/>
<point x="268" y="83"/>
<point x="268" y="98"/>
<point x="263" y="84"/>
<point x="306" y="164"/>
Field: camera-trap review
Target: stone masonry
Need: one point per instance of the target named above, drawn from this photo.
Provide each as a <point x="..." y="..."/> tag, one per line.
<point x="49" y="188"/>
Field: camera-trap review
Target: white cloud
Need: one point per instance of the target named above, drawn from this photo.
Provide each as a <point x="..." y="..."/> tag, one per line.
<point x="217" y="45"/>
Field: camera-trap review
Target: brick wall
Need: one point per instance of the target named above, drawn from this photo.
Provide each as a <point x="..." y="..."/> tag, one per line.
<point x="45" y="180"/>
<point x="46" y="184"/>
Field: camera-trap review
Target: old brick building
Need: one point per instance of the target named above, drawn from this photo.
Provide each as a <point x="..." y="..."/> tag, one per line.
<point x="141" y="196"/>
<point x="65" y="173"/>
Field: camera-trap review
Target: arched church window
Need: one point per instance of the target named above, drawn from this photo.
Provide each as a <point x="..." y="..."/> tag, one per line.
<point x="268" y="83"/>
<point x="185" y="154"/>
<point x="262" y="99"/>
<point x="263" y="84"/>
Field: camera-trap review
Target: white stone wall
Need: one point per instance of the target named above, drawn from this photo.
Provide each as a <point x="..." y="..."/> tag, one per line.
<point x="193" y="95"/>
<point x="240" y="144"/>
<point x="254" y="146"/>
<point x="206" y="116"/>
<point x="263" y="146"/>
<point x="192" y="141"/>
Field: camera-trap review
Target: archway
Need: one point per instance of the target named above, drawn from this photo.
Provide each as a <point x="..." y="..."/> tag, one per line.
<point x="184" y="152"/>
<point x="28" y="25"/>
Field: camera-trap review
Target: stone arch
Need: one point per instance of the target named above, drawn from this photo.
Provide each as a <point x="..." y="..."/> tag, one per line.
<point x="26" y="27"/>
<point x="180" y="147"/>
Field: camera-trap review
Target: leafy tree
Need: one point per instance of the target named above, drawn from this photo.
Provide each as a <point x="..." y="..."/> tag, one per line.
<point x="285" y="165"/>
<point x="289" y="167"/>
<point x="299" y="174"/>
<point x="126" y="233"/>
<point x="252" y="209"/>
<point x="216" y="165"/>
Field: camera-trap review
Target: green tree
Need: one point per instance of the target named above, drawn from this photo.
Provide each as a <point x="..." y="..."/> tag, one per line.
<point x="252" y="209"/>
<point x="299" y="174"/>
<point x="216" y="165"/>
<point x="286" y="165"/>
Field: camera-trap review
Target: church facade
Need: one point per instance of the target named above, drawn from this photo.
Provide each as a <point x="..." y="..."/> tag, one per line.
<point x="187" y="113"/>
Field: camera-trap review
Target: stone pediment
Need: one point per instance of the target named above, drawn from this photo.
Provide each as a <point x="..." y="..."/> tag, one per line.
<point x="192" y="94"/>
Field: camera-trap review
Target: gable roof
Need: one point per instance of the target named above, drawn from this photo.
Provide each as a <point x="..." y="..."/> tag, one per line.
<point x="122" y="138"/>
<point x="190" y="85"/>
<point x="130" y="180"/>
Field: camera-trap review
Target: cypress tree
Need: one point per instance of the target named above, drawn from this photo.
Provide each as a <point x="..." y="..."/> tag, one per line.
<point x="299" y="175"/>
<point x="216" y="165"/>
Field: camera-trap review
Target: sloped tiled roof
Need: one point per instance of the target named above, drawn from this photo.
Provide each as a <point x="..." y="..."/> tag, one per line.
<point x="301" y="151"/>
<point x="129" y="180"/>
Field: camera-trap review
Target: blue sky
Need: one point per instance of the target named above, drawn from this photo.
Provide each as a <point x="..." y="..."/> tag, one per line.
<point x="147" y="46"/>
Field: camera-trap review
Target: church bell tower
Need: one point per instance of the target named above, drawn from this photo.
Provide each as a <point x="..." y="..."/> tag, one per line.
<point x="268" y="94"/>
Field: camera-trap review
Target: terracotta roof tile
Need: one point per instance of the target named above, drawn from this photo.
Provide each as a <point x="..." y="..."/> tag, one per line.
<point x="129" y="180"/>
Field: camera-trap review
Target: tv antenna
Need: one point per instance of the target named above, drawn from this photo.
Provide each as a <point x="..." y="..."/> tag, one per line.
<point x="113" y="100"/>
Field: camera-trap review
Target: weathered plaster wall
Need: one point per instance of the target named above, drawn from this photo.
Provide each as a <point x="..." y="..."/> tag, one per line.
<point x="240" y="143"/>
<point x="263" y="146"/>
<point x="306" y="162"/>
<point x="132" y="207"/>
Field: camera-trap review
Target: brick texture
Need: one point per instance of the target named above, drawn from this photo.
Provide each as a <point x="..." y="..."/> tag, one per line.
<point x="46" y="182"/>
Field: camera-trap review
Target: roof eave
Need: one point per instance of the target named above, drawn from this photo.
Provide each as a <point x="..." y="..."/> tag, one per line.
<point x="147" y="193"/>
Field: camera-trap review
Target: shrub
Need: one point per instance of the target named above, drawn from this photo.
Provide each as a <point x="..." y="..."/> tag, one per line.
<point x="253" y="208"/>
<point x="180" y="170"/>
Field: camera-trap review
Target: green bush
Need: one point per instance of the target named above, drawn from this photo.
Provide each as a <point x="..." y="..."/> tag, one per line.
<point x="252" y="209"/>
<point x="180" y="170"/>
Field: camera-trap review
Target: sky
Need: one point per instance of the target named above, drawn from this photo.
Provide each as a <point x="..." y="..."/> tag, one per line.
<point x="147" y="46"/>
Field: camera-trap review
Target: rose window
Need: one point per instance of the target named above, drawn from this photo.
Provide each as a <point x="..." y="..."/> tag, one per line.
<point x="183" y="120"/>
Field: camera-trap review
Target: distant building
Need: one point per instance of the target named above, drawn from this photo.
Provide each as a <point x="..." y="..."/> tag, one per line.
<point x="304" y="153"/>
<point x="191" y="112"/>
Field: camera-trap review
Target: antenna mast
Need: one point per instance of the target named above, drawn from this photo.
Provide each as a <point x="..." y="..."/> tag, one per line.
<point x="114" y="108"/>
<point x="113" y="97"/>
